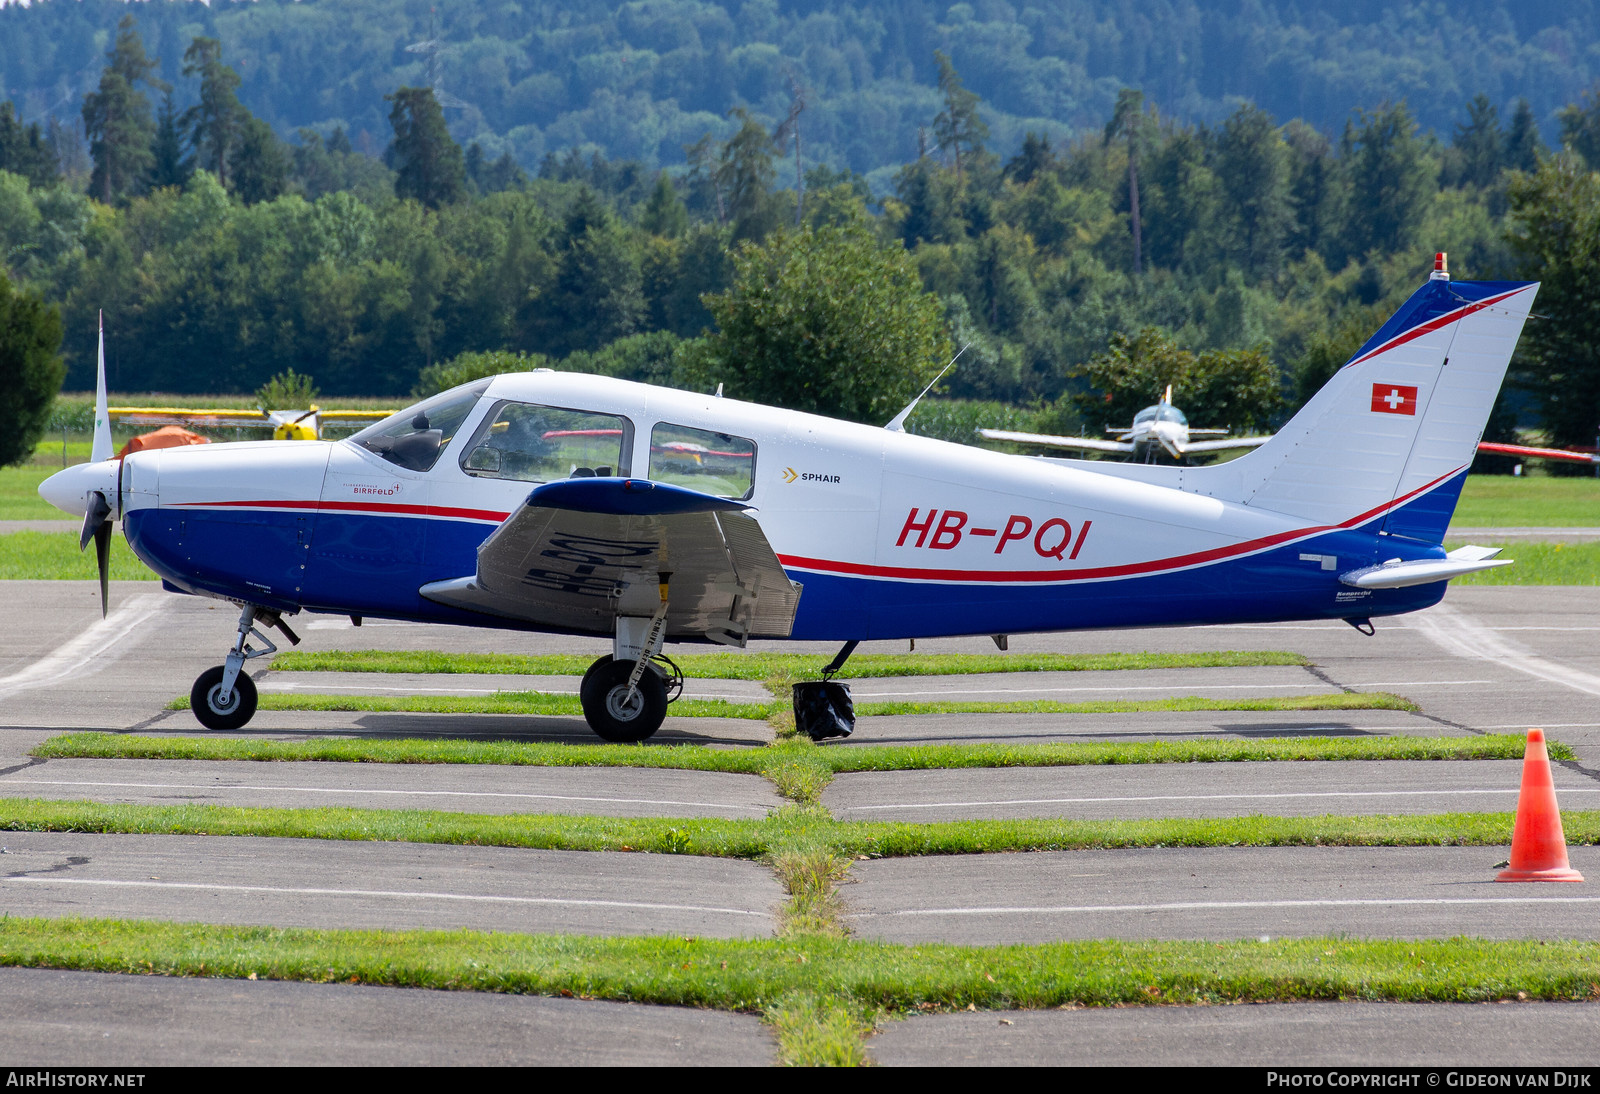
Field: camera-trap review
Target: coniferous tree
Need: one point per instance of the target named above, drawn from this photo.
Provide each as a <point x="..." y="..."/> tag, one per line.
<point x="261" y="165"/>
<point x="1479" y="144"/>
<point x="1127" y="119"/>
<point x="957" y="128"/>
<point x="169" y="166"/>
<point x="1391" y="181"/>
<point x="1252" y="168"/>
<point x="428" y="164"/>
<point x="664" y="214"/>
<point x="117" y="120"/>
<point x="1523" y="146"/>
<point x="745" y="175"/>
<point x="24" y="150"/>
<point x="216" y="122"/>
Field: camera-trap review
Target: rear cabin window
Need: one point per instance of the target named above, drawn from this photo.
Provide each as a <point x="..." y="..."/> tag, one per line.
<point x="712" y="463"/>
<point x="527" y="442"/>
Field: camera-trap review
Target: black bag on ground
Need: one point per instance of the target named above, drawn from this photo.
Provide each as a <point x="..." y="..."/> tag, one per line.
<point x="822" y="709"/>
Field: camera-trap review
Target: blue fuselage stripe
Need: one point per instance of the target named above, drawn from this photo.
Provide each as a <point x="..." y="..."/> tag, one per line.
<point x="373" y="565"/>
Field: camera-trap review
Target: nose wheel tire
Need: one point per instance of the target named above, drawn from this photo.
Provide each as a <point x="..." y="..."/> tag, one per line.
<point x="218" y="711"/>
<point x="604" y="693"/>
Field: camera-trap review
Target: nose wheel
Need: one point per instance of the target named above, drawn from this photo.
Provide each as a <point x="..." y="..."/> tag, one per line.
<point x="225" y="697"/>
<point x="217" y="708"/>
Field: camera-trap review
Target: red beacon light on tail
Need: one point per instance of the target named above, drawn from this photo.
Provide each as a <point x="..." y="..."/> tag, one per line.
<point x="1440" y="272"/>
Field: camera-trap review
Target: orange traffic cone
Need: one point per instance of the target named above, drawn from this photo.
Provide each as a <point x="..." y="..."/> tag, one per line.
<point x="1538" y="847"/>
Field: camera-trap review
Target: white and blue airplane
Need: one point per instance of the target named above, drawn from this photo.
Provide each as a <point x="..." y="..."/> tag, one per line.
<point x="549" y="501"/>
<point x="1155" y="429"/>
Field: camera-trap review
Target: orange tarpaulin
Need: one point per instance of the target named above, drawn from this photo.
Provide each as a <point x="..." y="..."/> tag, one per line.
<point x="168" y="436"/>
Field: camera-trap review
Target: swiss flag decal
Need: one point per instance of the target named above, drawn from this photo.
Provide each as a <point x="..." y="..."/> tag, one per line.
<point x="1394" y="399"/>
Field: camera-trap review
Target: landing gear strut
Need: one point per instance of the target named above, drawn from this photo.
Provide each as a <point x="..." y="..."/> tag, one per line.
<point x="224" y="697"/>
<point x="625" y="695"/>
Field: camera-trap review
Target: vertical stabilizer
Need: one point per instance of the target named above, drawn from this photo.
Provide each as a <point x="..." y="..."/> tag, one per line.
<point x="1400" y="422"/>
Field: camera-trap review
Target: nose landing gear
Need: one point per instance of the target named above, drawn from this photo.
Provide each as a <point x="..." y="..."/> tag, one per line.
<point x="223" y="697"/>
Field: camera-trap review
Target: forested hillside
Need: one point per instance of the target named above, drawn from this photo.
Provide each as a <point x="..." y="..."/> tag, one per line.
<point x="642" y="80"/>
<point x="1241" y="258"/>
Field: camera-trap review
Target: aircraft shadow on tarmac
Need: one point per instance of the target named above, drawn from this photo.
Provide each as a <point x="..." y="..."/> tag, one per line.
<point x="495" y="727"/>
<point x="1323" y="729"/>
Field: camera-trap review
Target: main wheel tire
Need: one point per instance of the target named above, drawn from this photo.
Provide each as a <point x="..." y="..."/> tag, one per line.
<point x="217" y="711"/>
<point x="603" y="691"/>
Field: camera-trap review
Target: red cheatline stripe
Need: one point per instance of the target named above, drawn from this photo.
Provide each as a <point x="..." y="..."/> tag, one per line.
<point x="1088" y="574"/>
<point x="1216" y="554"/>
<point x="358" y="507"/>
<point x="1357" y="521"/>
<point x="1434" y="324"/>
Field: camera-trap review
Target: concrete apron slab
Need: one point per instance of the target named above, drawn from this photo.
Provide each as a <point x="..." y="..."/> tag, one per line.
<point x="49" y="1017"/>
<point x="463" y="788"/>
<point x="1297" y="789"/>
<point x="338" y="884"/>
<point x="1216" y="893"/>
<point x="919" y="729"/>
<point x="1253" y="1035"/>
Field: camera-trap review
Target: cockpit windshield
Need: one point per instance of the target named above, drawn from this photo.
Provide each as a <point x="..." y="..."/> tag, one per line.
<point x="1162" y="412"/>
<point x="414" y="438"/>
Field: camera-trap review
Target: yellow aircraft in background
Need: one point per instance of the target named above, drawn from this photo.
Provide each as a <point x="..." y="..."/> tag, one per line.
<point x="286" y="425"/>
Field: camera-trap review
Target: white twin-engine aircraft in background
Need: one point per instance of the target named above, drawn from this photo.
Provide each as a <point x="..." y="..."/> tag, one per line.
<point x="1155" y="429"/>
<point x="548" y="501"/>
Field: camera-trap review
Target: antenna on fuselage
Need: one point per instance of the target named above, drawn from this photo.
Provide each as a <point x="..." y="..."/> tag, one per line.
<point x="898" y="423"/>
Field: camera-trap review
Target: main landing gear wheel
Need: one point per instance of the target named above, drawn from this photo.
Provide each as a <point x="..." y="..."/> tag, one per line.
<point x="604" y="693"/>
<point x="218" y="711"/>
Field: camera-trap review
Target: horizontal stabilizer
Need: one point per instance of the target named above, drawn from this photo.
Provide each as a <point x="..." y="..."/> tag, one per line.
<point x="1222" y="446"/>
<point x="1398" y="575"/>
<point x="1050" y="441"/>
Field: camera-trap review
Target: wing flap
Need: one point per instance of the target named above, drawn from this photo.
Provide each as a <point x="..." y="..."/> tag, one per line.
<point x="582" y="552"/>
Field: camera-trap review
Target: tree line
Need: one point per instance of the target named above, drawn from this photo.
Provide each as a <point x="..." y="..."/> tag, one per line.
<point x="1143" y="253"/>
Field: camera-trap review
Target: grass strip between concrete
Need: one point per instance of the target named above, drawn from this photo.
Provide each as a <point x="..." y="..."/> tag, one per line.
<point x="792" y="829"/>
<point x="766" y="975"/>
<point x="764" y="761"/>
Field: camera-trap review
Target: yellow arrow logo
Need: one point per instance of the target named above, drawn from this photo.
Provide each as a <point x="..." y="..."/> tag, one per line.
<point x="789" y="474"/>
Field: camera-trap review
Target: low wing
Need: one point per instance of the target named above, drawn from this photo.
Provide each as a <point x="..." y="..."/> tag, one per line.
<point x="193" y="416"/>
<point x="1220" y="446"/>
<point x="177" y="415"/>
<point x="582" y="552"/>
<point x="1055" y="442"/>
<point x="1537" y="453"/>
<point x="354" y="415"/>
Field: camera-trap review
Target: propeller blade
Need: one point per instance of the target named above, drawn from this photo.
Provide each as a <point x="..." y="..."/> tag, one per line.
<point x="94" y="516"/>
<point x="102" y="555"/>
<point x="101" y="449"/>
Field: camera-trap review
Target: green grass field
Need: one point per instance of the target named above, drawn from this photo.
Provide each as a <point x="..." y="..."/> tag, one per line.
<point x="33" y="556"/>
<point x="1504" y="501"/>
<point x="1541" y="564"/>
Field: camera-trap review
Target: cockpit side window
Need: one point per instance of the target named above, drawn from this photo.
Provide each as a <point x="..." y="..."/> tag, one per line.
<point x="528" y="442"/>
<point x="415" y="437"/>
<point x="712" y="463"/>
